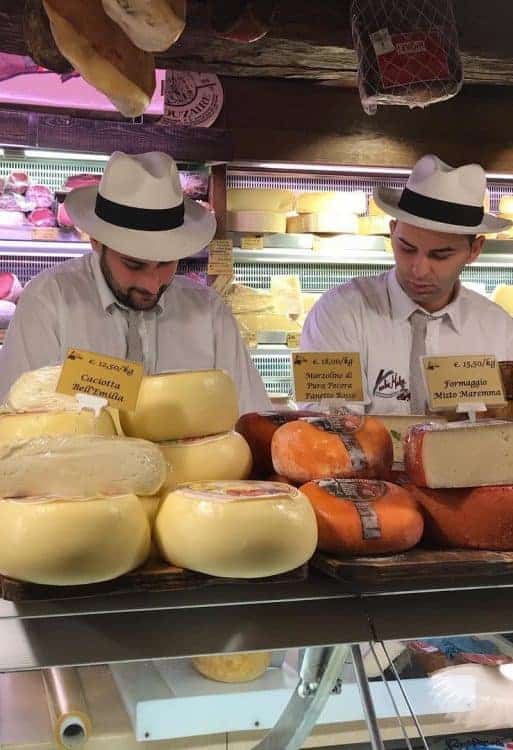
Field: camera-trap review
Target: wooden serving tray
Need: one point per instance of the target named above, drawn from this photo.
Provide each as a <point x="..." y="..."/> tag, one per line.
<point x="420" y="567"/>
<point x="155" y="576"/>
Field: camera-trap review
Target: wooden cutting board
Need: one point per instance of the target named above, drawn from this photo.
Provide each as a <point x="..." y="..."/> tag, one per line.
<point x="152" y="577"/>
<point x="420" y="567"/>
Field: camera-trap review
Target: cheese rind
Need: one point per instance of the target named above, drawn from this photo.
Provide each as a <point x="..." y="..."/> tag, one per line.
<point x="260" y="199"/>
<point x="339" y="202"/>
<point x="70" y="542"/>
<point x="236" y="529"/>
<point x="225" y="456"/>
<point x="470" y="518"/>
<point x="27" y="425"/>
<point x="364" y="517"/>
<point x="398" y="426"/>
<point x="460" y="454"/>
<point x="346" y="446"/>
<point x="80" y="466"/>
<point x="256" y="221"/>
<point x="152" y="25"/>
<point x="329" y="222"/>
<point x="237" y="667"/>
<point x="179" y="405"/>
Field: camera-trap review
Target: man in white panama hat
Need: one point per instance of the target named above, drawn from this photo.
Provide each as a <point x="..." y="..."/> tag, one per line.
<point x="124" y="299"/>
<point x="419" y="306"/>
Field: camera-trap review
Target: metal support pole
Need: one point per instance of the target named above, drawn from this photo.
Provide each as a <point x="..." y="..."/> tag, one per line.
<point x="367" y="702"/>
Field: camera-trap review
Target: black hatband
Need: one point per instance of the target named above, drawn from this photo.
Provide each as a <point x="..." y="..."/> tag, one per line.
<point x="145" y="219"/>
<point x="445" y="212"/>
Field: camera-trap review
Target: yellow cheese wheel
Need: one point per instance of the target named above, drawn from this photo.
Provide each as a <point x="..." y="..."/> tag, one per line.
<point x="256" y="221"/>
<point x="80" y="465"/>
<point x="260" y="199"/>
<point x="27" y="425"/>
<point x="68" y="542"/>
<point x="236" y="529"/>
<point x="151" y="504"/>
<point x="178" y="405"/>
<point x="506" y="204"/>
<point x="238" y="667"/>
<point x="36" y="390"/>
<point x="225" y="456"/>
<point x="373" y="208"/>
<point x="338" y="202"/>
<point x="502" y="295"/>
<point x="330" y="222"/>
<point x="374" y="224"/>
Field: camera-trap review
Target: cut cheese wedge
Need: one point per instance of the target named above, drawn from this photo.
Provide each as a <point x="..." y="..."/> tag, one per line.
<point x="179" y="405"/>
<point x="398" y="426"/>
<point x="225" y="456"/>
<point x="152" y="25"/>
<point x="502" y="295"/>
<point x="364" y="517"/>
<point x="460" y="454"/>
<point x="26" y="425"/>
<point x="329" y="222"/>
<point x="238" y="667"/>
<point x="338" y="202"/>
<point x="473" y="518"/>
<point x="236" y="529"/>
<point x="260" y="199"/>
<point x="69" y="542"/>
<point x="342" y="446"/>
<point x="256" y="221"/>
<point x="80" y="465"/>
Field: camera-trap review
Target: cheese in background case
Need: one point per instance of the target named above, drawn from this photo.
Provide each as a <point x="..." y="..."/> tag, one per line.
<point x="256" y="221"/>
<point x="68" y="541"/>
<point x="330" y="222"/>
<point x="506" y="205"/>
<point x="80" y="466"/>
<point x="470" y="518"/>
<point x="26" y="425"/>
<point x="502" y="295"/>
<point x="373" y="208"/>
<point x="260" y="199"/>
<point x="185" y="404"/>
<point x="374" y="224"/>
<point x="236" y="529"/>
<point x="342" y="446"/>
<point x="398" y="426"/>
<point x="338" y="202"/>
<point x="364" y="517"/>
<point x="460" y="454"/>
<point x="225" y="456"/>
<point x="238" y="667"/>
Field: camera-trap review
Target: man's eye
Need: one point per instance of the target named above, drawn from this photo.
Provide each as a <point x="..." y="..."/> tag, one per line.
<point x="408" y="250"/>
<point x="132" y="266"/>
<point x="441" y="256"/>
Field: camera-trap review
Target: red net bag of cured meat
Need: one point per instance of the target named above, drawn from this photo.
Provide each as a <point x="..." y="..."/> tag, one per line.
<point x="407" y="52"/>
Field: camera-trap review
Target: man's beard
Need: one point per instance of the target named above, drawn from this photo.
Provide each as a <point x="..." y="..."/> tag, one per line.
<point x="128" y="298"/>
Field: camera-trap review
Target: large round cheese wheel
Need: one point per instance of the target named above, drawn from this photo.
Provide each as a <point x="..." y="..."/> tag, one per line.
<point x="236" y="529"/>
<point x="67" y="542"/>
<point x="80" y="465"/>
<point x="256" y="221"/>
<point x="178" y="405"/>
<point x="24" y="426"/>
<point x="238" y="667"/>
<point x="331" y="222"/>
<point x="260" y="199"/>
<point x="225" y="456"/>
<point x="151" y="505"/>
<point x="339" y="202"/>
<point x="364" y="517"/>
<point x="345" y="445"/>
<point x="258" y="429"/>
<point x="473" y="518"/>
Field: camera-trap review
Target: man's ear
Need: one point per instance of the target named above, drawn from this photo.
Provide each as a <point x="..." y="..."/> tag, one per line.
<point x="477" y="246"/>
<point x="97" y="246"/>
<point x="392" y="225"/>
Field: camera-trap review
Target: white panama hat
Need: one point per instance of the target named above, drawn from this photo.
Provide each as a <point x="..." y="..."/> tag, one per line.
<point x="442" y="198"/>
<point x="139" y="209"/>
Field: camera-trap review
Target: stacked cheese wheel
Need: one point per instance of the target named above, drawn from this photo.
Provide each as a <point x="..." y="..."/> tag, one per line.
<point x="505" y="212"/>
<point x="258" y="211"/>
<point x="69" y="508"/>
<point x="327" y="212"/>
<point x="462" y="475"/>
<point x="340" y="463"/>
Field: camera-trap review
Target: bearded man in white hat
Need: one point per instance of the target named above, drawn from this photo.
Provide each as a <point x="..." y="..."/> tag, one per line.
<point x="419" y="306"/>
<point x="124" y="299"/>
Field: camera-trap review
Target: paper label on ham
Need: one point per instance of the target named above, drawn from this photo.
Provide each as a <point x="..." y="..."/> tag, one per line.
<point x="361" y="493"/>
<point x="345" y="426"/>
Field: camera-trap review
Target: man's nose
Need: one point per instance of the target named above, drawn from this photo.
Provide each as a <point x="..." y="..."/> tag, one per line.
<point x="151" y="281"/>
<point x="420" y="266"/>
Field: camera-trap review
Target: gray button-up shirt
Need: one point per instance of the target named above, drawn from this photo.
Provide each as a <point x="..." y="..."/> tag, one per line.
<point x="71" y="305"/>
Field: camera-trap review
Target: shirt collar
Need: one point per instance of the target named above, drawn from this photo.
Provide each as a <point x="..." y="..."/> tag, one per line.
<point x="403" y="306"/>
<point x="107" y="298"/>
